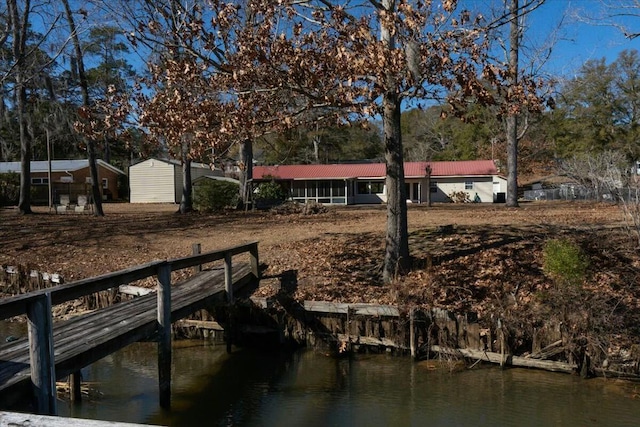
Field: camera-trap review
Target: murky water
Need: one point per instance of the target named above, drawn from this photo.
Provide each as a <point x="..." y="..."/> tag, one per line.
<point x="256" y="388"/>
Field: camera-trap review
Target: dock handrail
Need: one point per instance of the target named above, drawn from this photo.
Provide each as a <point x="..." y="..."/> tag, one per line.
<point x="37" y="305"/>
<point x="17" y="304"/>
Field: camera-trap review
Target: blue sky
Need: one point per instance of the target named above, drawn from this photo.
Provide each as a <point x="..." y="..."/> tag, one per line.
<point x="578" y="40"/>
<point x="561" y="24"/>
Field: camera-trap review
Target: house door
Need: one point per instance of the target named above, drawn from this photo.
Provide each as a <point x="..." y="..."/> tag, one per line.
<point x="496" y="189"/>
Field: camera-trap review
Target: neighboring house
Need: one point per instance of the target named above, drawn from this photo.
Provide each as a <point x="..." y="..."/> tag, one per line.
<point x="347" y="184"/>
<point x="68" y="177"/>
<point x="160" y="181"/>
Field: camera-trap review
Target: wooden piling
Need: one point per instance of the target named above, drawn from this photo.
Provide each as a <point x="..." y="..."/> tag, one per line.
<point x="228" y="287"/>
<point x="412" y="332"/>
<point x="75" y="386"/>
<point x="164" y="334"/>
<point x="40" y="331"/>
<point x="196" y="249"/>
<point x="255" y="266"/>
<point x="228" y="279"/>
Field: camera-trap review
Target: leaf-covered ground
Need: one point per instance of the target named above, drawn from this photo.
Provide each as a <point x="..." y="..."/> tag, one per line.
<point x="472" y="257"/>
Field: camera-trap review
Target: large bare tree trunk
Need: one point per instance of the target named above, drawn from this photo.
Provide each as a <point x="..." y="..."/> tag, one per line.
<point x="186" y="202"/>
<point x="246" y="171"/>
<point x="19" y="32"/>
<point x="396" y="257"/>
<point x="84" y="87"/>
<point x="512" y="119"/>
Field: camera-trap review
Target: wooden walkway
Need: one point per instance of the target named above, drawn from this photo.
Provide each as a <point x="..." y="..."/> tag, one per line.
<point x="84" y="339"/>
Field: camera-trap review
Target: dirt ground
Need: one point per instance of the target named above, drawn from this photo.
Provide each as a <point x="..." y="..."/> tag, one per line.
<point x="489" y="261"/>
<point x="81" y="245"/>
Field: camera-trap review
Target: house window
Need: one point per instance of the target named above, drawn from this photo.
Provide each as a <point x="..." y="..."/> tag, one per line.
<point x="337" y="188"/>
<point x="377" y="187"/>
<point x="370" y="187"/>
<point x="324" y="188"/>
<point x="468" y="185"/>
<point x="39" y="181"/>
<point x="105" y="183"/>
<point x="433" y="187"/>
<point x="298" y="188"/>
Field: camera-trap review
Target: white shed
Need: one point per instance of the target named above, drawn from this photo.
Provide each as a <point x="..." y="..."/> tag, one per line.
<point x="160" y="181"/>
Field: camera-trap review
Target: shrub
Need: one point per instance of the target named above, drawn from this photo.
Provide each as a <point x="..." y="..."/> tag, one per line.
<point x="271" y="191"/>
<point x="9" y="188"/>
<point x="211" y="195"/>
<point x="565" y="262"/>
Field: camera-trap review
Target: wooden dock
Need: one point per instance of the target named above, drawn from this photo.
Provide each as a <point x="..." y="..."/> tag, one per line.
<point x="54" y="350"/>
<point x="15" y="419"/>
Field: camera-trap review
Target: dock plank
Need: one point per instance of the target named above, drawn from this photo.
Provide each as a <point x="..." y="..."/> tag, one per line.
<point x="16" y="419"/>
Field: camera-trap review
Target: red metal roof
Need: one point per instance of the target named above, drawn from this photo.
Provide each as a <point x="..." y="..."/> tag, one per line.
<point x="375" y="170"/>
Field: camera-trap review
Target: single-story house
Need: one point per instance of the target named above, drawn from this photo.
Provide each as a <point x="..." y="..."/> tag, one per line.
<point x="72" y="177"/>
<point x="160" y="180"/>
<point x="346" y="184"/>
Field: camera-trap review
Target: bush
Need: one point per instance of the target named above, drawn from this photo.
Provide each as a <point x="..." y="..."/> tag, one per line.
<point x="211" y="195"/>
<point x="9" y="189"/>
<point x="270" y="191"/>
<point x="268" y="195"/>
<point x="565" y="262"/>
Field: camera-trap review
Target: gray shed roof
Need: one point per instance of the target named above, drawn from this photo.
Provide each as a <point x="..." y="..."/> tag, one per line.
<point x="56" y="166"/>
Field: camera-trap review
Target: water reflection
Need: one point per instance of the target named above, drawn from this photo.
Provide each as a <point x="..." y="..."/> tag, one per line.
<point x="252" y="388"/>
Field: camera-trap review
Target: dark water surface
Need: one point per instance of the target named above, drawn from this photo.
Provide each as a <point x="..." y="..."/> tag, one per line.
<point x="257" y="388"/>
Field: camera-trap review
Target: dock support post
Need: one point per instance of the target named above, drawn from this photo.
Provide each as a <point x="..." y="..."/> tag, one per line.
<point x="255" y="266"/>
<point x="164" y="334"/>
<point x="503" y="357"/>
<point x="228" y="277"/>
<point x="228" y="287"/>
<point x="75" y="386"/>
<point x="196" y="249"/>
<point x="412" y="332"/>
<point x="43" y="370"/>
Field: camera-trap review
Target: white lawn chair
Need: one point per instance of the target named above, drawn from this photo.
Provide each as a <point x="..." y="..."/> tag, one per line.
<point x="83" y="205"/>
<point x="63" y="206"/>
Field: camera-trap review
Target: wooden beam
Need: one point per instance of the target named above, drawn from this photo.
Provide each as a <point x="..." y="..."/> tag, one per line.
<point x="75" y="386"/>
<point x="196" y="249"/>
<point x="412" y="333"/>
<point x="15" y="419"/>
<point x="40" y="331"/>
<point x="190" y="261"/>
<point x="255" y="261"/>
<point x="17" y="305"/>
<point x="202" y="324"/>
<point x="164" y="334"/>
<point x="487" y="356"/>
<point x="359" y="309"/>
<point x="228" y="279"/>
